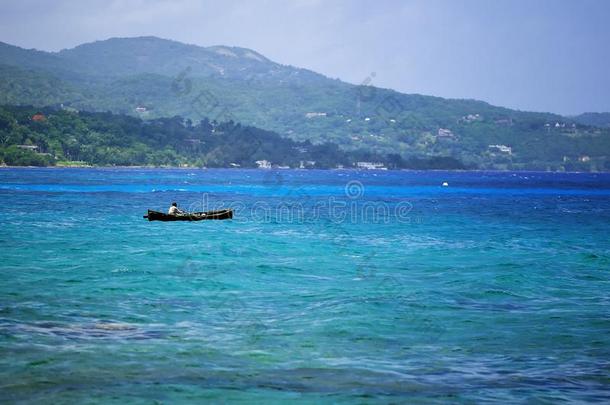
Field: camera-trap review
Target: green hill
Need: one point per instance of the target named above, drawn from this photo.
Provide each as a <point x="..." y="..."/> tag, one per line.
<point x="601" y="120"/>
<point x="45" y="137"/>
<point x="152" y="78"/>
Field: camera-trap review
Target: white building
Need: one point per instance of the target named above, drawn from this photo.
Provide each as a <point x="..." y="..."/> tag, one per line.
<point x="305" y="164"/>
<point x="370" y="166"/>
<point x="263" y="164"/>
<point x="472" y="118"/>
<point x="445" y="133"/>
<point x="501" y="148"/>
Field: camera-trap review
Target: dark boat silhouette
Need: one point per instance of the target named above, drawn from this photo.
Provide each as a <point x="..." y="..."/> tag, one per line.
<point x="193" y="216"/>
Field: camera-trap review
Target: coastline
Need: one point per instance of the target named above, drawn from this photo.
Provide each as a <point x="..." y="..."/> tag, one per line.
<point x="298" y="169"/>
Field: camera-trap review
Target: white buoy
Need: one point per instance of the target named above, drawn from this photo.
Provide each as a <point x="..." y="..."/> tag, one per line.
<point x="445" y="184"/>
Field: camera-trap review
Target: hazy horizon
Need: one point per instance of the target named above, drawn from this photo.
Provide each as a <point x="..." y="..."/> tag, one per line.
<point x="537" y="56"/>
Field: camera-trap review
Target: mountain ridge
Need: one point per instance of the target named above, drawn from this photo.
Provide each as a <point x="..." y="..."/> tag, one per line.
<point x="152" y="77"/>
<point x="153" y="38"/>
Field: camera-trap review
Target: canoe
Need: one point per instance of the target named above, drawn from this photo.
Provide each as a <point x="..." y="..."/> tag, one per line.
<point x="193" y="216"/>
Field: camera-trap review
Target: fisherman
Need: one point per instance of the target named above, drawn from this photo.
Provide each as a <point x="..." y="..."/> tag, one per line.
<point x="174" y="210"/>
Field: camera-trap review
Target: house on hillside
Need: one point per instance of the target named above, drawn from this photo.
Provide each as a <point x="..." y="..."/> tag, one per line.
<point x="444" y="133"/>
<point x="68" y="108"/>
<point x="501" y="149"/>
<point x="471" y="118"/>
<point x="39" y="117"/>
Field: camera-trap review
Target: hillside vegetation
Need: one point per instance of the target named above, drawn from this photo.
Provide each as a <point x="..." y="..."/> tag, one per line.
<point x="153" y="78"/>
<point x="47" y="137"/>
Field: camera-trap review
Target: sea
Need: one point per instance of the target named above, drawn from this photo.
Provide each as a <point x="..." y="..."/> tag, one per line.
<point x="326" y="287"/>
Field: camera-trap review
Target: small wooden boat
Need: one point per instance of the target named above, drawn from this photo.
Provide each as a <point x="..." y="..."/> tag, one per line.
<point x="193" y="216"/>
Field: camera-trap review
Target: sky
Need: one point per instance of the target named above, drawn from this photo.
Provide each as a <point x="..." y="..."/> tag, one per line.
<point x="537" y="55"/>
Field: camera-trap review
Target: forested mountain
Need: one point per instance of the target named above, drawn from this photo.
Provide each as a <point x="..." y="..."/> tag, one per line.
<point x="601" y="120"/>
<point x="152" y="78"/>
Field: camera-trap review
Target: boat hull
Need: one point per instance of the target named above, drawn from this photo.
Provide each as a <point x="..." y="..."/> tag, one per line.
<point x="193" y="216"/>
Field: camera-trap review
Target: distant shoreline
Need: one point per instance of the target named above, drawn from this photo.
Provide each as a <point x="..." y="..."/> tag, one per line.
<point x="289" y="169"/>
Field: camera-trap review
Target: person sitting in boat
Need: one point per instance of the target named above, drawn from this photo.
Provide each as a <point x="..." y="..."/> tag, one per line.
<point x="174" y="210"/>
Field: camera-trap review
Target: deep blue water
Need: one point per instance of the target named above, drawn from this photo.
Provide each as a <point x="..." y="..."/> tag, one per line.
<point x="326" y="287"/>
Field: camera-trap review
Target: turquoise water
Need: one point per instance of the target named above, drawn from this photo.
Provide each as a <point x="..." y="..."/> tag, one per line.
<point x="326" y="287"/>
